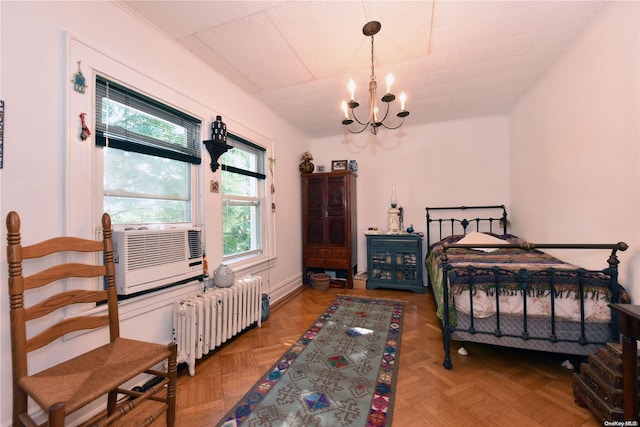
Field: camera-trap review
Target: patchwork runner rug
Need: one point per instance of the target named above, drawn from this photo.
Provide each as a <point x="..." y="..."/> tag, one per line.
<point x="341" y="372"/>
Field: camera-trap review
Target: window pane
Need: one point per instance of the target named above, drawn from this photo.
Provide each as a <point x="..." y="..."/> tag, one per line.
<point x="241" y="159"/>
<point x="139" y="123"/>
<point x="135" y="122"/>
<point x="239" y="185"/>
<point x="241" y="228"/>
<point x="139" y="188"/>
<point x="131" y="210"/>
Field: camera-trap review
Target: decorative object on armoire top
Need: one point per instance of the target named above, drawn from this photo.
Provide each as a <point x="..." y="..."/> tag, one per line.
<point x="223" y="276"/>
<point x="393" y="218"/>
<point x="79" y="80"/>
<point x="306" y="166"/>
<point x="370" y="29"/>
<point x="410" y="228"/>
<point x="217" y="145"/>
<point x="353" y="165"/>
<point x="338" y="165"/>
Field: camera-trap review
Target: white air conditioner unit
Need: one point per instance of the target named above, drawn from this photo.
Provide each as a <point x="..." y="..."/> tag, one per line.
<point x="149" y="259"/>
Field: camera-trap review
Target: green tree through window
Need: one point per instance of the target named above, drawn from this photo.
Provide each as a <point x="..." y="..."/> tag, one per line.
<point x="243" y="198"/>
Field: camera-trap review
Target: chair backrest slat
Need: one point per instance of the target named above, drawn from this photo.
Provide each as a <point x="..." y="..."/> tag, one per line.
<point x="61" y="244"/>
<point x="63" y="299"/>
<point x="62" y="271"/>
<point x="64" y="327"/>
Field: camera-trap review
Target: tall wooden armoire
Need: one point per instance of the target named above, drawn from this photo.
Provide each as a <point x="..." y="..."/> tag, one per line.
<point x="329" y="228"/>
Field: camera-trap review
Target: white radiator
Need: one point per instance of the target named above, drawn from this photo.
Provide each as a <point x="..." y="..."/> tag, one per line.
<point x="206" y="320"/>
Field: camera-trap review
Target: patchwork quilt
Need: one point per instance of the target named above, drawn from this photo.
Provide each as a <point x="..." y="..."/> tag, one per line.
<point x="481" y="281"/>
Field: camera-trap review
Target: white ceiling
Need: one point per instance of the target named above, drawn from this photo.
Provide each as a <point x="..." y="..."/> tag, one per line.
<point x="454" y="59"/>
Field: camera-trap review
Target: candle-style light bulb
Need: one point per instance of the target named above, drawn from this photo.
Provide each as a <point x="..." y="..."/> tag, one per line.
<point x="403" y="98"/>
<point x="389" y="82"/>
<point x="352" y="89"/>
<point x="344" y="108"/>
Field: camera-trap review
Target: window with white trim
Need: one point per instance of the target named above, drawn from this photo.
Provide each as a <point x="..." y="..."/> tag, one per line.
<point x="243" y="199"/>
<point x="151" y="151"/>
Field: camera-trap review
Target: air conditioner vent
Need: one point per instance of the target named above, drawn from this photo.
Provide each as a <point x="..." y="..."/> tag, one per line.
<point x="195" y="244"/>
<point x="155" y="249"/>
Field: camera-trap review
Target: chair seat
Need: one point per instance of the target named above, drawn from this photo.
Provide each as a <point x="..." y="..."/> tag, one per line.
<point x="79" y="381"/>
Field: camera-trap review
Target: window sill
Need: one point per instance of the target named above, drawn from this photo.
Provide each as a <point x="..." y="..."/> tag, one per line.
<point x="252" y="265"/>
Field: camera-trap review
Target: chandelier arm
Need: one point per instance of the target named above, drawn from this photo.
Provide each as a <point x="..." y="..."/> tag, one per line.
<point x="357" y="131"/>
<point x="353" y="114"/>
<point x="386" y="113"/>
<point x="393" y="127"/>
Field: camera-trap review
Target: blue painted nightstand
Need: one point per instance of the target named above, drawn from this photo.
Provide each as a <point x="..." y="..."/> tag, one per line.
<point x="394" y="261"/>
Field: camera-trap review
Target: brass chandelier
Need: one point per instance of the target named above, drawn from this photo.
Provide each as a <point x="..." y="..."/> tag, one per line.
<point x="374" y="120"/>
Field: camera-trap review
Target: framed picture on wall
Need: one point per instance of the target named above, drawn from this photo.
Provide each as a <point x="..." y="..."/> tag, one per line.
<point x="338" y="165"/>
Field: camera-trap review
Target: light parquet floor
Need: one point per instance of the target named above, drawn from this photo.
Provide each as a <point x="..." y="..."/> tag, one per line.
<point x="490" y="387"/>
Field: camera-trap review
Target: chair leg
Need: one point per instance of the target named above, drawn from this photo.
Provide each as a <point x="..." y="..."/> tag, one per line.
<point x="19" y="404"/>
<point x="56" y="415"/>
<point x="112" y="401"/>
<point x="172" y="373"/>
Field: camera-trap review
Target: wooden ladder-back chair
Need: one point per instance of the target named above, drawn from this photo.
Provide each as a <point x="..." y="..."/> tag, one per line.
<point x="72" y="384"/>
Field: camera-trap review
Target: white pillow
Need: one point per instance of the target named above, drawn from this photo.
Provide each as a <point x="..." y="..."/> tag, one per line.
<point x="475" y="237"/>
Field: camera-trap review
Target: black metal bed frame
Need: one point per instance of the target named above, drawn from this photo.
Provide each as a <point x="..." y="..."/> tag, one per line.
<point x="523" y="279"/>
<point x="464" y="222"/>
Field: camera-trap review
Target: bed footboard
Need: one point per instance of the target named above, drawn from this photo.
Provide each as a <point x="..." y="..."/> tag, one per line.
<point x="531" y="282"/>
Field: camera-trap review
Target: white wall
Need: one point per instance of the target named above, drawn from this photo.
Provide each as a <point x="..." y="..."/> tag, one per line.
<point x="441" y="164"/>
<point x="575" y="146"/>
<point x="49" y="174"/>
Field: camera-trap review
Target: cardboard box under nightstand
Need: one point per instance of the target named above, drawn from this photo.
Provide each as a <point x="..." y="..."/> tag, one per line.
<point x="360" y="281"/>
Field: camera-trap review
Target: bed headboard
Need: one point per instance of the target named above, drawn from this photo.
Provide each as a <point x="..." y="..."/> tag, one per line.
<point x="455" y="221"/>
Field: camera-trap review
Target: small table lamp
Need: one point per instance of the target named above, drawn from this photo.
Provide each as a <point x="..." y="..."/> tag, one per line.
<point x="393" y="219"/>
